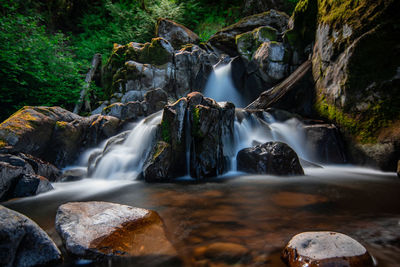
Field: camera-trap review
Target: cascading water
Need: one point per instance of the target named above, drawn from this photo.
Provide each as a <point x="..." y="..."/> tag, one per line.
<point x="220" y="86"/>
<point x="125" y="161"/>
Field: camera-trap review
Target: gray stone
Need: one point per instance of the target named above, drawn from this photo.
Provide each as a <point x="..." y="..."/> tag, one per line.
<point x="175" y="33"/>
<point x="23" y="243"/>
<point x="326" y="249"/>
<point x="93" y="230"/>
<point x="156" y="100"/>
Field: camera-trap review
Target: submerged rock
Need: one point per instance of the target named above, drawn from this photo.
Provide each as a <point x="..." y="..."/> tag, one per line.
<point x="95" y="230"/>
<point x="31" y="185"/>
<point x="223" y="252"/>
<point x="175" y="33"/>
<point x="325" y="249"/>
<point x="275" y="158"/>
<point x="23" y="243"/>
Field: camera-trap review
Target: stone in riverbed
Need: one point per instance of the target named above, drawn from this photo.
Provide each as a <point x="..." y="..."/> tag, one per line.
<point x="23" y="242"/>
<point x="274" y="158"/>
<point x="95" y="230"/>
<point x="325" y="249"/>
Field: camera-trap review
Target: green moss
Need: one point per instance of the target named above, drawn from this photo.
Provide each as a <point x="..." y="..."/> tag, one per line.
<point x="264" y="34"/>
<point x="363" y="127"/>
<point x="61" y="124"/>
<point x="165" y="131"/>
<point x="304" y="19"/>
<point x="160" y="148"/>
<point x="2" y="143"/>
<point x="154" y="53"/>
<point x="246" y="44"/>
<point x="196" y="122"/>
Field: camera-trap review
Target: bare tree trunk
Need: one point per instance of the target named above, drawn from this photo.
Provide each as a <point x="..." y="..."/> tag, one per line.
<point x="96" y="62"/>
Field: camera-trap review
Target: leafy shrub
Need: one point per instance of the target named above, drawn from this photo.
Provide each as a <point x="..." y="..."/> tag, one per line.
<point x="36" y="68"/>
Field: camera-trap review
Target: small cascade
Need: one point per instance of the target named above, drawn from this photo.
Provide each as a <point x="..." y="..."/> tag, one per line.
<point x="220" y="86"/>
<point x="257" y="128"/>
<point x="124" y="161"/>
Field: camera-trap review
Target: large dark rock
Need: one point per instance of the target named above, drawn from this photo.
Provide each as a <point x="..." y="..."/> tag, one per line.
<point x="54" y="134"/>
<point x="274" y="158"/>
<point x="23" y="243"/>
<point x="224" y="40"/>
<point x="325" y="143"/>
<point x="326" y="249"/>
<point x="156" y="100"/>
<point x="252" y="7"/>
<point x="22" y="175"/>
<point x="31" y="185"/>
<point x="175" y="33"/>
<point x="192" y="129"/>
<point x="355" y="66"/>
<point x="96" y="230"/>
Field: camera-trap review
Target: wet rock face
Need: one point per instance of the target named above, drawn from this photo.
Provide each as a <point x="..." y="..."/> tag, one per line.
<point x="196" y="124"/>
<point x="325" y="249"/>
<point x="325" y="143"/>
<point x="175" y="33"/>
<point x="95" y="230"/>
<point x="24" y="243"/>
<point x="273" y="158"/>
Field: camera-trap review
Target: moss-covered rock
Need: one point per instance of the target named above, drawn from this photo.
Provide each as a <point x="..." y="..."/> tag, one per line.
<point x="247" y="43"/>
<point x="355" y="66"/>
<point x="225" y="39"/>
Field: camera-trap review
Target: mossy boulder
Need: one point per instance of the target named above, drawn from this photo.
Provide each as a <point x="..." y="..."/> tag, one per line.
<point x="302" y="26"/>
<point x="355" y="66"/>
<point x="247" y="43"/>
<point x="55" y="134"/>
<point x="225" y="39"/>
<point x="157" y="52"/>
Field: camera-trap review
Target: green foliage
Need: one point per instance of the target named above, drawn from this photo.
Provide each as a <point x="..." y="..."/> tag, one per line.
<point x="36" y="68"/>
<point x="165" y="131"/>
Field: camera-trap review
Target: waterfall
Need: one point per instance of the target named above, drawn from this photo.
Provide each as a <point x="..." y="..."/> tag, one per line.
<point x="220" y="86"/>
<point x="251" y="129"/>
<point x="125" y="161"/>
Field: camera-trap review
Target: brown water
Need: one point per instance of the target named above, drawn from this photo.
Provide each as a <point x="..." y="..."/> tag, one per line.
<point x="260" y="213"/>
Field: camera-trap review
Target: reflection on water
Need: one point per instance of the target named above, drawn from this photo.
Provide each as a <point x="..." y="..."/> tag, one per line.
<point x="259" y="212"/>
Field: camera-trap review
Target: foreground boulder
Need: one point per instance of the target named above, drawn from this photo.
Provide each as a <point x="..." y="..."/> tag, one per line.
<point x="95" y="230"/>
<point x="274" y="158"/>
<point x="325" y="249"/>
<point x="196" y="124"/>
<point x="23" y="175"/>
<point x="54" y="134"/>
<point x="23" y="243"/>
<point x="175" y="33"/>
